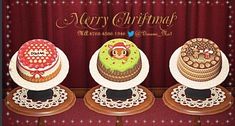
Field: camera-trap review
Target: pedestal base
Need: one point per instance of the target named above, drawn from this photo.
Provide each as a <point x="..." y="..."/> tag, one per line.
<point x="119" y="94"/>
<point x="68" y="103"/>
<point x="226" y="104"/>
<point x="91" y="104"/>
<point x="40" y="95"/>
<point x="197" y="94"/>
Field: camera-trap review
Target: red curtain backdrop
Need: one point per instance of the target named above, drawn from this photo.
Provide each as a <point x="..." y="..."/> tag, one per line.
<point x="26" y="20"/>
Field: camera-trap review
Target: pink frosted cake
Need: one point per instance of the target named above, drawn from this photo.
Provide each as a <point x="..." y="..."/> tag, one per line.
<point x="38" y="61"/>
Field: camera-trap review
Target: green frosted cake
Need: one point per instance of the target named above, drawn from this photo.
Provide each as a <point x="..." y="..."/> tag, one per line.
<point x="119" y="60"/>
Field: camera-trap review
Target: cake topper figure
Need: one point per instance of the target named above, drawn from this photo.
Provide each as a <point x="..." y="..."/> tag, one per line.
<point x="195" y="52"/>
<point x="207" y="53"/>
<point x="119" y="50"/>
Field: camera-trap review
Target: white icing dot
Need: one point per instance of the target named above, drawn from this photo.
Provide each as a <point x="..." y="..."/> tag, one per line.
<point x="199" y="39"/>
<point x="44" y="61"/>
<point x="30" y="61"/>
<point x="35" y="61"/>
<point x="37" y="76"/>
<point x="40" y="61"/>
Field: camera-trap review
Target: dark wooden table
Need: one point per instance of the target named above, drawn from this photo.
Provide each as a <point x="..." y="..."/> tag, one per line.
<point x="197" y="112"/>
<point x="40" y="113"/>
<point x="91" y="104"/>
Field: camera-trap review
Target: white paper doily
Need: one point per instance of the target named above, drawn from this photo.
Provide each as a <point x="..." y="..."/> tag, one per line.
<point x="44" y="85"/>
<point x="20" y="98"/>
<point x="217" y="97"/>
<point x="100" y="97"/>
<point x="195" y="84"/>
<point x="118" y="85"/>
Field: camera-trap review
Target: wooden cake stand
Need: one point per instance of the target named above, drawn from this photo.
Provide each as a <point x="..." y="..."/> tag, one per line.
<point x="91" y="104"/>
<point x="68" y="103"/>
<point x="197" y="112"/>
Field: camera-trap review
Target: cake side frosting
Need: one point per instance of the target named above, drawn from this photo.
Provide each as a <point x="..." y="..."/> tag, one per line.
<point x="200" y="59"/>
<point x="38" y="60"/>
<point x="31" y="72"/>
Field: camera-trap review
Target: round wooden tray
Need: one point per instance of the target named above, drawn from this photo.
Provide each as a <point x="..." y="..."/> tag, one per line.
<point x="68" y="103"/>
<point x="91" y="104"/>
<point x="197" y="111"/>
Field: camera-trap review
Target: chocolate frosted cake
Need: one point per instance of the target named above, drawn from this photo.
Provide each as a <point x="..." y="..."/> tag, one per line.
<point x="199" y="60"/>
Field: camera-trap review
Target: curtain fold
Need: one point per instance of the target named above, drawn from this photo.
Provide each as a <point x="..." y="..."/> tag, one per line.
<point x="25" y="21"/>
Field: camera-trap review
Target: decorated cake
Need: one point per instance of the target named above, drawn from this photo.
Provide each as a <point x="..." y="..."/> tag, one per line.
<point x="38" y="61"/>
<point x="119" y="60"/>
<point x="199" y="60"/>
